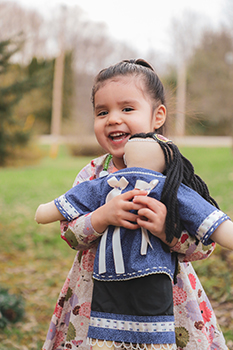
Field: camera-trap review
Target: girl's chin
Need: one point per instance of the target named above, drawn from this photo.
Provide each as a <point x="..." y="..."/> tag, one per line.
<point x="118" y="153"/>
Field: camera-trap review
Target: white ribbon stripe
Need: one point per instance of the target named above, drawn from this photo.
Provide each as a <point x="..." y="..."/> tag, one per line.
<point x="148" y="327"/>
<point x="118" y="187"/>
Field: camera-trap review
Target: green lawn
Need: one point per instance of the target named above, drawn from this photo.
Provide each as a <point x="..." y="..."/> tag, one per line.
<point x="34" y="260"/>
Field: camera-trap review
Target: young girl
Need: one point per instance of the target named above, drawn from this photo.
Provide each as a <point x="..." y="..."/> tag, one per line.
<point x="128" y="98"/>
<point x="131" y="263"/>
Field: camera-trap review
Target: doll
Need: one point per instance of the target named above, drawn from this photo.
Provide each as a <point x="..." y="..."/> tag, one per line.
<point x="133" y="273"/>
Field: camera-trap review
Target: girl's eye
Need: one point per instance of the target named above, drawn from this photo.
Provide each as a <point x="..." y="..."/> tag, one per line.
<point x="100" y="114"/>
<point x="128" y="109"/>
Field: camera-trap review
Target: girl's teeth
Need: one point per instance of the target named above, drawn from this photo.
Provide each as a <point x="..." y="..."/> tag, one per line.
<point x="118" y="136"/>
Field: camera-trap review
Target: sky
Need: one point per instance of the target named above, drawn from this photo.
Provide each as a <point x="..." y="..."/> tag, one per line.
<point x="143" y="24"/>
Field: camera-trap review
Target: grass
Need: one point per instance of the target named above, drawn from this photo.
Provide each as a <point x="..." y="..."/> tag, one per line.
<point x="34" y="260"/>
<point x="215" y="166"/>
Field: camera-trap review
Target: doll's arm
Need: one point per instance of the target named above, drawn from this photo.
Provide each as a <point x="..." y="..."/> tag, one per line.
<point x="223" y="235"/>
<point x="47" y="213"/>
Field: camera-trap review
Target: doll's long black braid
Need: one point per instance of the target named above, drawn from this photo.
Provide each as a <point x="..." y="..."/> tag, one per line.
<point x="178" y="170"/>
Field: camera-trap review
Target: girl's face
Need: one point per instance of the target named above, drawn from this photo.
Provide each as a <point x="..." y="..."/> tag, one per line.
<point x="122" y="109"/>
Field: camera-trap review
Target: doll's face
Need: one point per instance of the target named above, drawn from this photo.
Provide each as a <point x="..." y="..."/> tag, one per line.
<point x="144" y="153"/>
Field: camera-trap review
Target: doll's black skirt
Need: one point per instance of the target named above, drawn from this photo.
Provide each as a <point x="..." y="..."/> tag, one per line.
<point x="145" y="296"/>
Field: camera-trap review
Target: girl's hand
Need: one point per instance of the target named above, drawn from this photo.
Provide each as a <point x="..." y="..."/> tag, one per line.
<point x="117" y="212"/>
<point x="152" y="216"/>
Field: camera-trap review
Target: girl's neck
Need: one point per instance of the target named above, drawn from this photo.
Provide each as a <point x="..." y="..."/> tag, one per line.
<point x="118" y="163"/>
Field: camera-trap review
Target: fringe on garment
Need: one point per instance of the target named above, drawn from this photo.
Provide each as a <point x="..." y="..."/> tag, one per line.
<point x="130" y="346"/>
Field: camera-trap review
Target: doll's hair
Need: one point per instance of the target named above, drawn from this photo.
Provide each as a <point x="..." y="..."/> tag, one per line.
<point x="178" y="170"/>
<point x="138" y="68"/>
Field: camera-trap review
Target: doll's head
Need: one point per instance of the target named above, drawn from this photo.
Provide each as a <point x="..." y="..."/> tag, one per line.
<point x="140" y="150"/>
<point x="155" y="152"/>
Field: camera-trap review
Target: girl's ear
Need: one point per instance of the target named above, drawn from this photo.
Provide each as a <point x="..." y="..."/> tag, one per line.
<point x="160" y="115"/>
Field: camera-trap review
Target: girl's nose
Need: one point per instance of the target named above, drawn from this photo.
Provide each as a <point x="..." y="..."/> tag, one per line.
<point x="114" y="118"/>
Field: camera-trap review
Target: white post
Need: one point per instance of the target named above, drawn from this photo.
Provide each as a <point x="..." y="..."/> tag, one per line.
<point x="57" y="95"/>
<point x="180" y="100"/>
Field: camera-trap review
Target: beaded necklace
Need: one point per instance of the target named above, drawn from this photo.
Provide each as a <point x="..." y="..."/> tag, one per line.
<point x="104" y="172"/>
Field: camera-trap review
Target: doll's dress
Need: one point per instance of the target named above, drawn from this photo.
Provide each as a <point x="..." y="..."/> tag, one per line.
<point x="70" y="320"/>
<point x="199" y="217"/>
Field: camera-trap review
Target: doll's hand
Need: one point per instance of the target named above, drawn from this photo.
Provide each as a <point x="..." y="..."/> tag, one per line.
<point x="117" y="212"/>
<point x="152" y="217"/>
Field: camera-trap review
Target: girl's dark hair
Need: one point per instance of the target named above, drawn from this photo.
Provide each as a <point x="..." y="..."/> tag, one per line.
<point x="178" y="170"/>
<point x="137" y="67"/>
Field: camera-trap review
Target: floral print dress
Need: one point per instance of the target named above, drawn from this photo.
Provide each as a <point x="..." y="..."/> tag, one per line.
<point x="195" y="322"/>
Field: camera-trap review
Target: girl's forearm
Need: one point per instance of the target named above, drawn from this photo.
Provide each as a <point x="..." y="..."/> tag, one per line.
<point x="79" y="233"/>
<point x="98" y="220"/>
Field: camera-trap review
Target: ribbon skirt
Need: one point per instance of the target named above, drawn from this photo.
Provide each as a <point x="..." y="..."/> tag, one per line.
<point x="138" y="311"/>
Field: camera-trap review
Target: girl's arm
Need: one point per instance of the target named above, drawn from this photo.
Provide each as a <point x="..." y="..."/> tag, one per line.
<point x="152" y="216"/>
<point x="187" y="247"/>
<point x="118" y="212"/>
<point x="80" y="233"/>
<point x="88" y="228"/>
<point x="47" y="213"/>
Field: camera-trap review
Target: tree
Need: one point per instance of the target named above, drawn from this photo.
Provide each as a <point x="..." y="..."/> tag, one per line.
<point x="91" y="48"/>
<point x="14" y="20"/>
<point x="210" y="84"/>
<point x="37" y="102"/>
<point x="186" y="35"/>
<point x="13" y="86"/>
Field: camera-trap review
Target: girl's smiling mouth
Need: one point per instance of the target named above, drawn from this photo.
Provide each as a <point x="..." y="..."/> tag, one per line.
<point x="118" y="136"/>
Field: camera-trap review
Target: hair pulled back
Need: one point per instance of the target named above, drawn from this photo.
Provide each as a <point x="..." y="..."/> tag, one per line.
<point x="135" y="67"/>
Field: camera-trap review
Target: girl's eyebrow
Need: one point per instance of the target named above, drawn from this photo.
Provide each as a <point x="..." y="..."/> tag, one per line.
<point x="127" y="101"/>
<point x="120" y="103"/>
<point x="100" y="107"/>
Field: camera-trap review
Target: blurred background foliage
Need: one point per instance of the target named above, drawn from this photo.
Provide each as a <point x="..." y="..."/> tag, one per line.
<point x="29" y="45"/>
